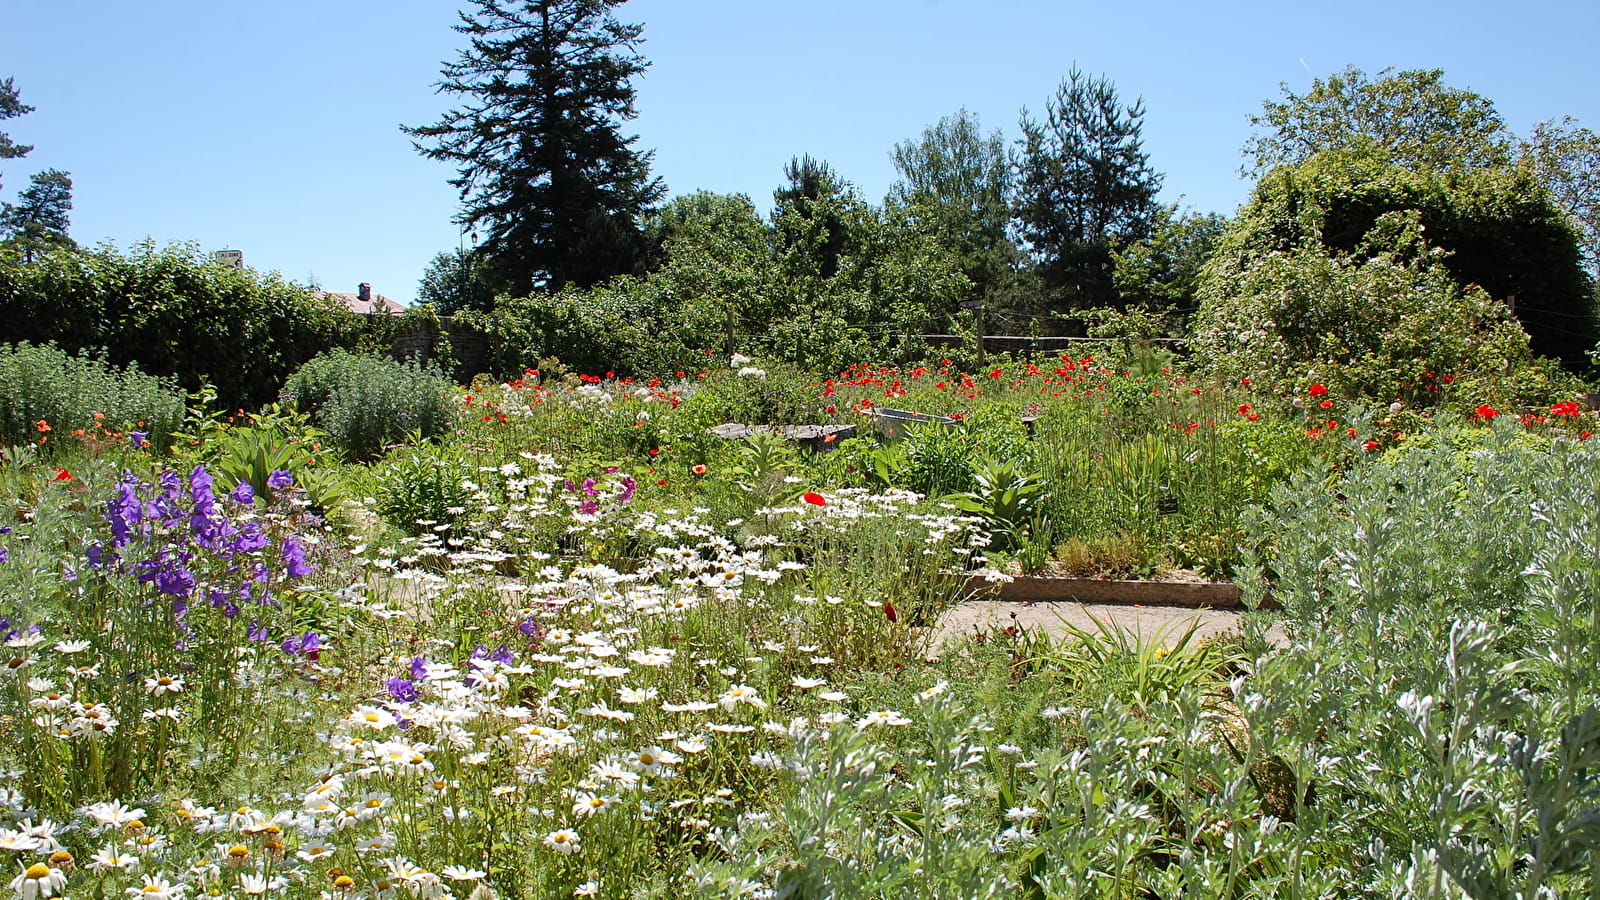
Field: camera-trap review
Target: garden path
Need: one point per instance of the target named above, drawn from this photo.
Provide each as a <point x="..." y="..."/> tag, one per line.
<point x="1152" y="621"/>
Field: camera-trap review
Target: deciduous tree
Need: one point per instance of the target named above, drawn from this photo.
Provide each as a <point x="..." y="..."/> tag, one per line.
<point x="1411" y="119"/>
<point x="956" y="184"/>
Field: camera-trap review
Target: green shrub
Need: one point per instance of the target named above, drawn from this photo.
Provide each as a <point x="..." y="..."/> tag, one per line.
<point x="367" y="403"/>
<point x="1381" y="328"/>
<point x="425" y="487"/>
<point x="1490" y="227"/>
<point x="67" y="393"/>
<point x="176" y="312"/>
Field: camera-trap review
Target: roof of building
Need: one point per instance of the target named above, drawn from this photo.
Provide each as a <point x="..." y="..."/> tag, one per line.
<point x="378" y="304"/>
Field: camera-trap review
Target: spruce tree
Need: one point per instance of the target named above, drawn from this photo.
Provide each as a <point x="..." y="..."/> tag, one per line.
<point x="548" y="180"/>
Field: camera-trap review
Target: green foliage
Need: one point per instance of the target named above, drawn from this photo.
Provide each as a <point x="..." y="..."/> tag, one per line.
<point x="545" y="171"/>
<point x="956" y="184"/>
<point x="367" y="403"/>
<point x="1161" y="273"/>
<point x="456" y="280"/>
<point x="1567" y="159"/>
<point x="39" y="222"/>
<point x="66" y="392"/>
<point x="248" y="448"/>
<point x="1410" y="119"/>
<point x="174" y="312"/>
<point x="1446" y="582"/>
<point x="1005" y="495"/>
<point x="10" y="108"/>
<point x="1084" y="185"/>
<point x="1490" y="232"/>
<point x="1378" y="329"/>
<point x="425" y="487"/>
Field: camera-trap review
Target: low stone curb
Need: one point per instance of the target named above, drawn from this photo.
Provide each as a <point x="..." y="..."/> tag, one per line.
<point x="1040" y="589"/>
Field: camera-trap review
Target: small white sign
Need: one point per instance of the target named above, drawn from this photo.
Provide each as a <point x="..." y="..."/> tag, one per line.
<point x="233" y="258"/>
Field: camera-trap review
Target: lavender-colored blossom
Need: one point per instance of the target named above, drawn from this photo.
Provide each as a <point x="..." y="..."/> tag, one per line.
<point x="123" y="511"/>
<point x="294" y="554"/>
<point x="531" y="628"/>
<point x="244" y="494"/>
<point x="175" y="581"/>
<point x="256" y="631"/>
<point x="138" y="438"/>
<point x="403" y="689"/>
<point x="247" y="538"/>
<point x="628" y="487"/>
<point x="419" y="667"/>
<point x="280" y="479"/>
<point x="308" y="645"/>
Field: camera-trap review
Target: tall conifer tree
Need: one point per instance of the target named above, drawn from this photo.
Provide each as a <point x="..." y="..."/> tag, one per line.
<point x="1084" y="185"/>
<point x="548" y="180"/>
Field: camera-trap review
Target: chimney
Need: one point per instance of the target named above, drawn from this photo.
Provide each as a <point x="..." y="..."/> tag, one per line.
<point x="364" y="292"/>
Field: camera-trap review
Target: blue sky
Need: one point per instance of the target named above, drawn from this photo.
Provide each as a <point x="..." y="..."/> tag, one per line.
<point x="272" y="128"/>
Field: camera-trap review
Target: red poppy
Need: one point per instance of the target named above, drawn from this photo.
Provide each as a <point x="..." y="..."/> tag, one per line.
<point x="1486" y="412"/>
<point x="62" y="475"/>
<point x="1318" y="390"/>
<point x="814" y="498"/>
<point x="888" y="611"/>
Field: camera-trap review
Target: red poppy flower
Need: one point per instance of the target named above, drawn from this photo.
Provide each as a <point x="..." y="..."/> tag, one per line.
<point x="814" y="498"/>
<point x="62" y="475"/>
<point x="1318" y="390"/>
<point x="888" y="611"/>
<point x="1486" y="412"/>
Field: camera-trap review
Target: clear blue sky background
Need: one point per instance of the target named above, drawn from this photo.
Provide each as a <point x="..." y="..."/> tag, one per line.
<point x="272" y="127"/>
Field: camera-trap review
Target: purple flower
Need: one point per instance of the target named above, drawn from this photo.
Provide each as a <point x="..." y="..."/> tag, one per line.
<point x="294" y="554"/>
<point x="244" y="494"/>
<point x="419" y="667"/>
<point x="628" y="487"/>
<point x="403" y="689"/>
<point x="531" y="628"/>
<point x="280" y="479"/>
<point x="308" y="645"/>
<point x="138" y="438"/>
<point x="256" y="631"/>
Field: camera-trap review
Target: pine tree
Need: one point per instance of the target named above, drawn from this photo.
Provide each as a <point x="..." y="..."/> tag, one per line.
<point x="10" y="107"/>
<point x="1084" y="185"/>
<point x="547" y="178"/>
<point x="39" y="220"/>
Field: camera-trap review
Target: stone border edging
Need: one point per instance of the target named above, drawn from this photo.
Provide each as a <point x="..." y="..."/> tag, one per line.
<point x="1034" y="588"/>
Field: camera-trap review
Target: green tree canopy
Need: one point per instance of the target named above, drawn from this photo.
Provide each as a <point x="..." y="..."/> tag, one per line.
<point x="956" y="184"/>
<point x="545" y="173"/>
<point x="1084" y="184"/>
<point x="1566" y="158"/>
<point x="1491" y="230"/>
<point x="455" y="280"/>
<point x="1410" y="118"/>
<point x="11" y="106"/>
<point x="41" y="217"/>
